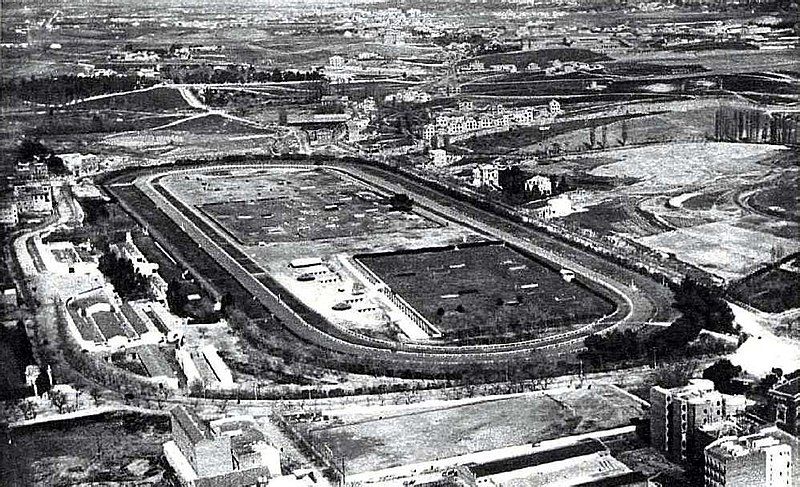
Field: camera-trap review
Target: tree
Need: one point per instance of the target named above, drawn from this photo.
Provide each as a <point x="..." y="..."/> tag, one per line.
<point x="674" y="375"/>
<point x="58" y="399"/>
<point x="27" y="408"/>
<point x="176" y="298"/>
<point x="722" y="374"/>
<point x="226" y="301"/>
<point x="401" y="202"/>
<point x="95" y="394"/>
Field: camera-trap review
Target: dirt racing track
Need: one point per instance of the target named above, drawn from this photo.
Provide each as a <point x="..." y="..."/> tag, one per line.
<point x="632" y="305"/>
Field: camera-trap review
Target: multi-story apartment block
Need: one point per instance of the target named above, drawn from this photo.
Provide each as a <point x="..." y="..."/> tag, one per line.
<point x="9" y="214"/>
<point x="785" y="402"/>
<point x="767" y="458"/>
<point x="676" y="414"/>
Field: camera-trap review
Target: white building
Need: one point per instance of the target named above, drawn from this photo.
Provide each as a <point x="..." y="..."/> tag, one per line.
<point x="555" y="108"/>
<point x="336" y="62"/>
<point x="486" y="175"/>
<point x="474" y="66"/>
<point x="128" y="250"/>
<point x="34" y="199"/>
<point x="408" y="96"/>
<point x="541" y="183"/>
<point x="440" y="158"/>
<point x="465" y="105"/>
<point x="503" y="68"/>
<point x="81" y="164"/>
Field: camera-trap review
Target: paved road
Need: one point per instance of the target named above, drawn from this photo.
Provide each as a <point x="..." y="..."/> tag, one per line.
<point x="638" y="307"/>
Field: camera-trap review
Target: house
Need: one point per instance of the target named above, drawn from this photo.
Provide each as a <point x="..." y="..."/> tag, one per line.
<point x="81" y="164"/>
<point x="440" y="158"/>
<point x="474" y="66"/>
<point x="8" y="296"/>
<point x="555" y="108"/>
<point x="129" y="251"/>
<point x="542" y="184"/>
<point x="486" y="176"/>
<point x="428" y="132"/>
<point x="465" y="106"/>
<point x="35" y="170"/>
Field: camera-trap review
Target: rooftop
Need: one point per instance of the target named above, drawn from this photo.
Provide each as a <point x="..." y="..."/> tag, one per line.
<point x="733" y="447"/>
<point x="195" y="428"/>
<point x="791" y="387"/>
<point x="539" y="458"/>
<point x="154" y="361"/>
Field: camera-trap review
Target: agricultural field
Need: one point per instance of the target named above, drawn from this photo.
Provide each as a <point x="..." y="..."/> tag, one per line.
<point x="486" y="290"/>
<point x="114" y="447"/>
<point x="158" y="99"/>
<point x="389" y="436"/>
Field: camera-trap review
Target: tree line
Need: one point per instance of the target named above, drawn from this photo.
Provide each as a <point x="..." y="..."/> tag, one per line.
<point x="702" y="308"/>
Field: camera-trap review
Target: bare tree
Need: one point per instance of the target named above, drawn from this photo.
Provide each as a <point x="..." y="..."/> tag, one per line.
<point x="58" y="399"/>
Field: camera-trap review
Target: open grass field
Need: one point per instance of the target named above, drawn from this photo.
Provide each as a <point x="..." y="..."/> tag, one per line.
<point x="392" y="438"/>
<point x="90" y="450"/>
<point x="300" y="205"/>
<point x="158" y="99"/>
<point x="728" y="251"/>
<point x="673" y="167"/>
<point x="486" y="289"/>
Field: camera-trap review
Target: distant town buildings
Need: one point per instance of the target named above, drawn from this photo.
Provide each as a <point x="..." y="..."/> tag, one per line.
<point x="769" y="457"/>
<point x="408" y="96"/>
<point x="467" y="122"/>
<point x="503" y="68"/>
